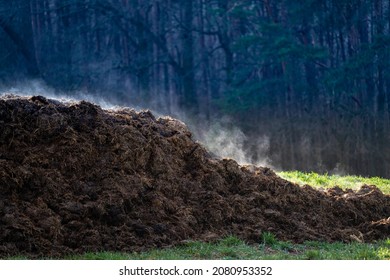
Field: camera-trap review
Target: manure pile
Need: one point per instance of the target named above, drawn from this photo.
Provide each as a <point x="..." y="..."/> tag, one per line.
<point x="77" y="178"/>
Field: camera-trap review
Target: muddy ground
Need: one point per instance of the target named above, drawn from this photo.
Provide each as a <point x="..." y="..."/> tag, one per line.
<point x="76" y="178"/>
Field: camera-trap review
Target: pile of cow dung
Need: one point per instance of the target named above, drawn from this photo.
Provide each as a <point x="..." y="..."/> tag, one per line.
<point x="76" y="178"/>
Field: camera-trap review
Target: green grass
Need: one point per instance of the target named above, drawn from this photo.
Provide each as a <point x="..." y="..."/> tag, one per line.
<point x="328" y="181"/>
<point x="232" y="248"/>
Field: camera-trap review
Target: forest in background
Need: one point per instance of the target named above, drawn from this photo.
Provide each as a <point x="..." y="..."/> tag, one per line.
<point x="308" y="81"/>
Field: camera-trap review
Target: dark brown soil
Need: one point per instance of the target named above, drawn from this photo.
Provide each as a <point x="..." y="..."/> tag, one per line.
<point x="76" y="178"/>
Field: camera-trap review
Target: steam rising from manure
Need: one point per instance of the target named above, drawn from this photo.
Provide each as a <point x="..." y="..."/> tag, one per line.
<point x="221" y="138"/>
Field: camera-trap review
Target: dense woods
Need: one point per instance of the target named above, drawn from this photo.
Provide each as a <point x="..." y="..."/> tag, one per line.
<point x="311" y="78"/>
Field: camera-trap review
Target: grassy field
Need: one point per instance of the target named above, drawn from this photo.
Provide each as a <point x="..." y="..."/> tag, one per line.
<point x="328" y="181"/>
<point x="271" y="248"/>
<point x="232" y="248"/>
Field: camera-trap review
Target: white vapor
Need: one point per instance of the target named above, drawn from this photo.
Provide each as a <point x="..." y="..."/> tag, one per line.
<point x="227" y="141"/>
<point x="221" y="138"/>
<point x="37" y="87"/>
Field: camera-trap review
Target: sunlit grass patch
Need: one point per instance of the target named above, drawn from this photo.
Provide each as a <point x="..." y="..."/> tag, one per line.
<point x="329" y="181"/>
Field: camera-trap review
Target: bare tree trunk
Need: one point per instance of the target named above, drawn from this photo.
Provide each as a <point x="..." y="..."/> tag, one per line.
<point x="25" y="44"/>
<point x="187" y="72"/>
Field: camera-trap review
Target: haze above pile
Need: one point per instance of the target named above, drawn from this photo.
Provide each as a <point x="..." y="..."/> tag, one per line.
<point x="221" y="137"/>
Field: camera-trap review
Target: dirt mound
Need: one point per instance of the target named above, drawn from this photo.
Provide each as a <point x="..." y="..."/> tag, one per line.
<point x="76" y="178"/>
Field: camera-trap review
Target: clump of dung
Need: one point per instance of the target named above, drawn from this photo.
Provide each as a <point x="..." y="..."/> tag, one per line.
<point x="76" y="178"/>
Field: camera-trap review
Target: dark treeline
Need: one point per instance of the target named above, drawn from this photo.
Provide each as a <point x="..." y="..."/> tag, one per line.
<point x="312" y="76"/>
